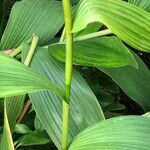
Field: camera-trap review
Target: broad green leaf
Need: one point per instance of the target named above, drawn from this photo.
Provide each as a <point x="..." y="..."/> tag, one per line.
<point x="7" y="141"/>
<point x="120" y="133"/>
<point x="101" y="52"/>
<point x="144" y="4"/>
<point x="85" y="109"/>
<point x="36" y="137"/>
<point x="127" y="21"/>
<point x="43" y="18"/>
<point x="134" y="82"/>
<point x="16" y="78"/>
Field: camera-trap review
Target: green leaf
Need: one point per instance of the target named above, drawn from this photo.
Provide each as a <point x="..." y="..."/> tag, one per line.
<point x="134" y="82"/>
<point x="42" y="18"/>
<point x="14" y="107"/>
<point x="93" y="27"/>
<point x="101" y="52"/>
<point x="120" y="133"/>
<point x="144" y="4"/>
<point x="127" y="21"/>
<point x="85" y="109"/>
<point x="7" y="141"/>
<point x="22" y="129"/>
<point x="15" y="78"/>
<point x="36" y="137"/>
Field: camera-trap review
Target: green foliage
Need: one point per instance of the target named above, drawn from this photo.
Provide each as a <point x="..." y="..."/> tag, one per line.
<point x="130" y="132"/>
<point x="102" y="66"/>
<point x="106" y="52"/>
<point x="16" y="79"/>
<point x="48" y="105"/>
<point x="28" y="17"/>
<point x="134" y="27"/>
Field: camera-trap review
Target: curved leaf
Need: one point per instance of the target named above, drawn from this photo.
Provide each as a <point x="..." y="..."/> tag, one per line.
<point x="127" y="21"/>
<point x="106" y="52"/>
<point x="43" y="18"/>
<point x="16" y="78"/>
<point x="120" y="133"/>
<point x="85" y="109"/>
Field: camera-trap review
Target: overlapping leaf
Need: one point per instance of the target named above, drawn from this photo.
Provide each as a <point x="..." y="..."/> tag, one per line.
<point x="85" y="109"/>
<point x="127" y="21"/>
<point x="101" y="52"/>
<point x="16" y="78"/>
<point x="43" y="18"/>
<point x="133" y="81"/>
<point x="120" y="133"/>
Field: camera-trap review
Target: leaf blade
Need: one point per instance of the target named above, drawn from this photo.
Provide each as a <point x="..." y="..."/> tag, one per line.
<point x="49" y="105"/>
<point x="128" y="132"/>
<point x="28" y="17"/>
<point x="15" y="78"/>
<point x="108" y="52"/>
<point x="134" y="27"/>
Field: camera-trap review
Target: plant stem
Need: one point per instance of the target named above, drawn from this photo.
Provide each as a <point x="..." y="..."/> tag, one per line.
<point x="65" y="126"/>
<point x="31" y="50"/>
<point x="27" y="63"/>
<point x="16" y="51"/>
<point x="68" y="71"/>
<point x="88" y="36"/>
<point x="24" y="111"/>
<point x="93" y="35"/>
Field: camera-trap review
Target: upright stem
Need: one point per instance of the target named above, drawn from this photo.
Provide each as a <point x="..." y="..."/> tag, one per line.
<point x="31" y="50"/>
<point x="68" y="71"/>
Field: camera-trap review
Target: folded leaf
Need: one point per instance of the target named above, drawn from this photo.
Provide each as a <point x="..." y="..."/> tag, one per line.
<point x="127" y="21"/>
<point x="106" y="52"/>
<point x="120" y="133"/>
<point x="85" y="109"/>
<point x="135" y="82"/>
<point x="16" y="78"/>
<point x="43" y="18"/>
